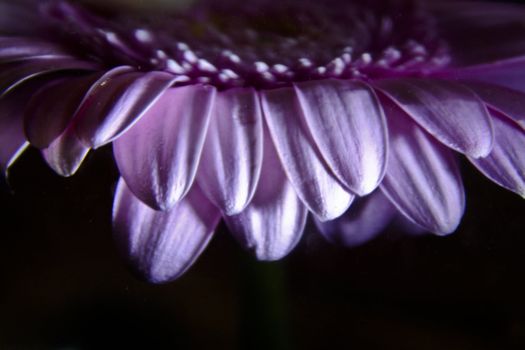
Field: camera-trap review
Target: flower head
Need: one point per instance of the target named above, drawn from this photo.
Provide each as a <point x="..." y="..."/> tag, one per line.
<point x="263" y="112"/>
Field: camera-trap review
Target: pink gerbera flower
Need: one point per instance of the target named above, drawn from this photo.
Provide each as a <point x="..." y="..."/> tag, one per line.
<point x="263" y="112"/>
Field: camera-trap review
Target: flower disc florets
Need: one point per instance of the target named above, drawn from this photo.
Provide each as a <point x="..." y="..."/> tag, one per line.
<point x="264" y="43"/>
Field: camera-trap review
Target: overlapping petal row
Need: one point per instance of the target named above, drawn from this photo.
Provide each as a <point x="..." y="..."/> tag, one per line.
<point x="264" y="159"/>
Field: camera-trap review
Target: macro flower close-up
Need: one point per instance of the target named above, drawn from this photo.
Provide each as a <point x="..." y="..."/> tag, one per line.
<point x="332" y="172"/>
<point x="264" y="113"/>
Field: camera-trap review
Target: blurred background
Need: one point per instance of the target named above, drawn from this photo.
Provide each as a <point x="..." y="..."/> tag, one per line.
<point x="62" y="285"/>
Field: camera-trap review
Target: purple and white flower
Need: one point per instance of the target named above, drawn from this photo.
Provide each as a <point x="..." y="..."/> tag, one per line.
<point x="260" y="113"/>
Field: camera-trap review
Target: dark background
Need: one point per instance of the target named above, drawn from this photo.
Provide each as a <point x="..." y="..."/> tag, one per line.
<point x="62" y="285"/>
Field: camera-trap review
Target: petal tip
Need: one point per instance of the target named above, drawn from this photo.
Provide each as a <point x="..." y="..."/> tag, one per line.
<point x="233" y="209"/>
<point x="447" y="229"/>
<point x="269" y="257"/>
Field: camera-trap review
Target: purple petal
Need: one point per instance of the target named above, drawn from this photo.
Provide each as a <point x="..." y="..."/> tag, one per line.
<point x="12" y="106"/>
<point x="450" y="112"/>
<point x="303" y="164"/>
<point x="51" y="109"/>
<point x="509" y="73"/>
<point x="159" y="156"/>
<point x="116" y="101"/>
<point x="408" y="227"/>
<point x="13" y="74"/>
<point x="232" y="154"/>
<point x="20" y="48"/>
<point x="161" y="246"/>
<point x="347" y="123"/>
<point x="66" y="153"/>
<point x="505" y="165"/>
<point x="273" y="223"/>
<point x="504" y="100"/>
<point x="366" y="219"/>
<point x="422" y="178"/>
<point x="12" y="138"/>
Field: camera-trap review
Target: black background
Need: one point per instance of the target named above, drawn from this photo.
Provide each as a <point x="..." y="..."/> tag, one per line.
<point x="62" y="285"/>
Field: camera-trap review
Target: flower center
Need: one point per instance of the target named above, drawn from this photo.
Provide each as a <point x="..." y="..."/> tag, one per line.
<point x="264" y="43"/>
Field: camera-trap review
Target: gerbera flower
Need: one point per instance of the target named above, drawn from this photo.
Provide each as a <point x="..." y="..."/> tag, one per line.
<point x="263" y="112"/>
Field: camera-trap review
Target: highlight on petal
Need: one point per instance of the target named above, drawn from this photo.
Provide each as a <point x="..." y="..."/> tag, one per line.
<point x="52" y="108"/>
<point x="212" y="112"/>
<point x="302" y="163"/>
<point x="232" y="155"/>
<point x="422" y="178"/>
<point x="509" y="102"/>
<point x="347" y="123"/>
<point x="161" y="246"/>
<point x="159" y="156"/>
<point x="20" y="48"/>
<point x="66" y="153"/>
<point x="505" y="165"/>
<point x="273" y="223"/>
<point x="366" y="219"/>
<point x="12" y="139"/>
<point x="116" y="101"/>
<point x="450" y="112"/>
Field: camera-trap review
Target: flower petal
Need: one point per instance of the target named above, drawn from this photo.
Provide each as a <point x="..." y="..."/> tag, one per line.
<point x="366" y="219"/>
<point x="450" y="112"/>
<point x="20" y="48"/>
<point x="159" y="156"/>
<point x="422" y="178"/>
<point x="52" y="108"/>
<point x="504" y="100"/>
<point x="15" y="73"/>
<point x="232" y="154"/>
<point x="303" y="164"/>
<point x="509" y="73"/>
<point x="116" y="101"/>
<point x="273" y="223"/>
<point x="161" y="246"/>
<point x="347" y="123"/>
<point x="408" y="227"/>
<point x="12" y="106"/>
<point x="66" y="153"/>
<point x="505" y="165"/>
<point x="12" y="139"/>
